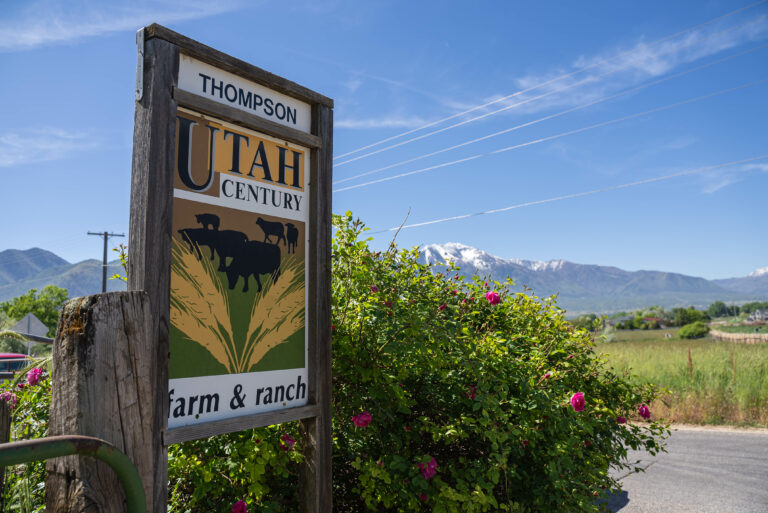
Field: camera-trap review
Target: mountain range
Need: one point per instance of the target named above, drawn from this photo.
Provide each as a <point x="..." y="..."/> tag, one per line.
<point x="22" y="270"/>
<point x="583" y="288"/>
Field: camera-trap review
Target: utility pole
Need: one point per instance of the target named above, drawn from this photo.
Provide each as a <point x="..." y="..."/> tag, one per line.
<point x="106" y="236"/>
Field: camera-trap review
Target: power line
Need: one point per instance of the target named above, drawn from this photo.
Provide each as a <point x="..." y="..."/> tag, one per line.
<point x="552" y="116"/>
<point x="514" y="105"/>
<point x="551" y="137"/>
<point x="576" y="195"/>
<point x="561" y="77"/>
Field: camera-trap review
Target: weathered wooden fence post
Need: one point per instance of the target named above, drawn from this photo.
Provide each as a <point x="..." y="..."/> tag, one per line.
<point x="5" y="436"/>
<point x="103" y="386"/>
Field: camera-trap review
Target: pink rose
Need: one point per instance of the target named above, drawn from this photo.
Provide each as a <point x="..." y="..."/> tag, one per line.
<point x="442" y="307"/>
<point x="493" y="297"/>
<point x="525" y="443"/>
<point x="423" y="497"/>
<point x="621" y="420"/>
<point x="240" y="507"/>
<point x="33" y="376"/>
<point x="9" y="397"/>
<point x="21" y="385"/>
<point x="471" y="392"/>
<point x="454" y="292"/>
<point x="578" y="402"/>
<point x="407" y="428"/>
<point x="287" y="442"/>
<point x="374" y="288"/>
<point x="644" y="412"/>
<point x="362" y="419"/>
<point x="570" y="356"/>
<point x="547" y="375"/>
<point x="429" y="470"/>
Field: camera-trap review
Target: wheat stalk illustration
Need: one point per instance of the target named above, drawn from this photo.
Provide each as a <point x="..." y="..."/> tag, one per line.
<point x="277" y="313"/>
<point x="199" y="306"/>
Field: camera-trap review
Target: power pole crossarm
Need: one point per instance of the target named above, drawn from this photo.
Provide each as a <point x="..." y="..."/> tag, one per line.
<point x="106" y="236"/>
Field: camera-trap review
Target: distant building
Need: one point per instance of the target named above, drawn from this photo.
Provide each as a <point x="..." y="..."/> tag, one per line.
<point x="759" y="315"/>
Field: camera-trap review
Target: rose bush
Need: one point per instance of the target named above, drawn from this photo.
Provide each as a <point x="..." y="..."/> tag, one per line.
<point x="29" y="394"/>
<point x="496" y="387"/>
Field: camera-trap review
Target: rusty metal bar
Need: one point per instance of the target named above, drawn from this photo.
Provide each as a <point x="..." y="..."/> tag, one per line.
<point x="25" y="451"/>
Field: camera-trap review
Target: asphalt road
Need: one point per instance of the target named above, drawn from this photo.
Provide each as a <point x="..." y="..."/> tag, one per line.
<point x="704" y="471"/>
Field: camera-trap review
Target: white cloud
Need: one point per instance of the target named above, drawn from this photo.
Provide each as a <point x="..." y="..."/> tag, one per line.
<point x="41" y="145"/>
<point x="353" y="85"/>
<point x="386" y="122"/>
<point x="719" y="179"/>
<point x="626" y="67"/>
<point x="49" y="22"/>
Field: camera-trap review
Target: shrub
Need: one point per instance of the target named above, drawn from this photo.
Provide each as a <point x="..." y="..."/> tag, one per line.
<point x="694" y="330"/>
<point x="482" y="390"/>
<point x="24" y="490"/>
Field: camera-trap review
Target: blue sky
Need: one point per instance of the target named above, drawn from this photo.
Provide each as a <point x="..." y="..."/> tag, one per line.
<point x="581" y="96"/>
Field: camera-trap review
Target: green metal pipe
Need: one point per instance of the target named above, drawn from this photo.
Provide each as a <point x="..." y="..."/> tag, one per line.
<point x="25" y="451"/>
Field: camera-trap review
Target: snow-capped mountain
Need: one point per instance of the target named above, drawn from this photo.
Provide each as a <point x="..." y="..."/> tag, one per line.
<point x="584" y="288"/>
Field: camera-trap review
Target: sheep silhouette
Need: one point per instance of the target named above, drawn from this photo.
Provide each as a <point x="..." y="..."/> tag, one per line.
<point x="292" y="234"/>
<point x="271" y="228"/>
<point x="208" y="219"/>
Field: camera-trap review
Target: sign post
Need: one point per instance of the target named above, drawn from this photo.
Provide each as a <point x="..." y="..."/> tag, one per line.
<point x="230" y="237"/>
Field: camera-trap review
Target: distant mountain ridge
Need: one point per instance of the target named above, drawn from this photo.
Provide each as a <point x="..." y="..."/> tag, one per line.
<point x="580" y="287"/>
<point x="22" y="270"/>
<point x="594" y="288"/>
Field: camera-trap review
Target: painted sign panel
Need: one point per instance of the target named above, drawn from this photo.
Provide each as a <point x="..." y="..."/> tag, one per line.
<point x="238" y="335"/>
<point x="223" y="87"/>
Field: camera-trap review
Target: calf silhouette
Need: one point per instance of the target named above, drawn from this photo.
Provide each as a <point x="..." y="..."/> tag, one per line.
<point x="271" y="228"/>
<point x="208" y="219"/>
<point x="293" y="235"/>
<point x="254" y="258"/>
<point x="226" y="243"/>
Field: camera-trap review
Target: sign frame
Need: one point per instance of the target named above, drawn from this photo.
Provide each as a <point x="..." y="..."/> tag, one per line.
<point x="157" y="98"/>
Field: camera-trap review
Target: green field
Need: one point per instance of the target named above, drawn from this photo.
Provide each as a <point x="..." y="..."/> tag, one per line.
<point x="722" y="383"/>
<point x="742" y="329"/>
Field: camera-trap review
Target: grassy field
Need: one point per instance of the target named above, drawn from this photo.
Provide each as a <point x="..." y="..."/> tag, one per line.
<point x="719" y="383"/>
<point x="742" y="329"/>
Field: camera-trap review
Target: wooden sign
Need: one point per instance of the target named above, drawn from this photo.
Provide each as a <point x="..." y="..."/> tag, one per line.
<point x="230" y="236"/>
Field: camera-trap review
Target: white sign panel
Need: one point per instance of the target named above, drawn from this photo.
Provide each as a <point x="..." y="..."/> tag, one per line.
<point x="223" y="87"/>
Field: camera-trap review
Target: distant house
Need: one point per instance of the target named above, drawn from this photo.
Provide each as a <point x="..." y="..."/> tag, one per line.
<point x="618" y="320"/>
<point x="759" y="315"/>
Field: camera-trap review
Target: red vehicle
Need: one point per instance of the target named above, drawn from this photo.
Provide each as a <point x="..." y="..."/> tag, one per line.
<point x="11" y="363"/>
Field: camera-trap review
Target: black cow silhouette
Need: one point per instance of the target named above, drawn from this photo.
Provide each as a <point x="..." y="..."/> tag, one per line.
<point x="293" y="235"/>
<point x="208" y="219"/>
<point x="271" y="228"/>
<point x="227" y="243"/>
<point x="254" y="258"/>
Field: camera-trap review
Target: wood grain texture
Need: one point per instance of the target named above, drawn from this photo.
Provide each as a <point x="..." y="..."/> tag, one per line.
<point x="203" y="430"/>
<point x="316" y="472"/>
<point x="149" y="247"/>
<point x="233" y="65"/>
<point x="239" y="117"/>
<point x="102" y="386"/>
<point x="5" y="437"/>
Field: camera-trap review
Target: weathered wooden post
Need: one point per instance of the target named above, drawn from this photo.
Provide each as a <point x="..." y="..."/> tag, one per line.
<point x="5" y="436"/>
<point x="103" y="386"/>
